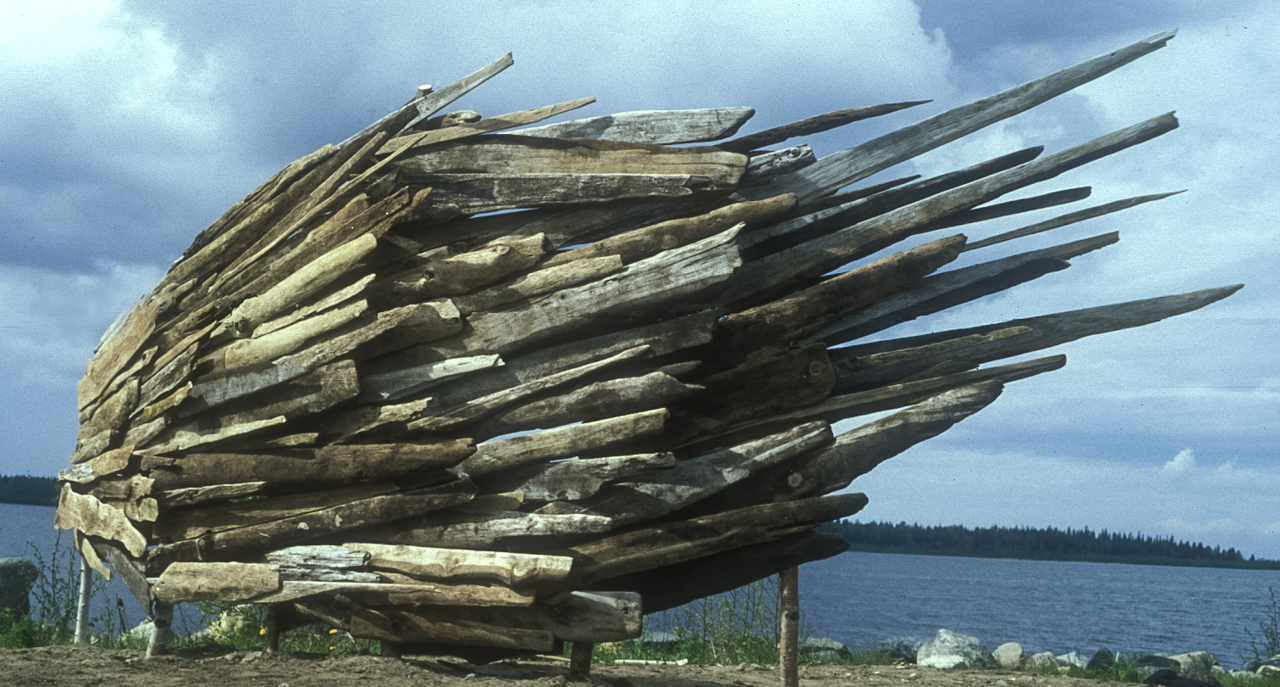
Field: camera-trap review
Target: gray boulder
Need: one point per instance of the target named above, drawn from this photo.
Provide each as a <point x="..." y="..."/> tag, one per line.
<point x="825" y="650"/>
<point x="16" y="577"/>
<point x="1044" y="659"/>
<point x="1195" y="661"/>
<point x="902" y="649"/>
<point x="1101" y="661"/>
<point x="1008" y="655"/>
<point x="1157" y="661"/>
<point x="953" y="650"/>
<point x="1072" y="659"/>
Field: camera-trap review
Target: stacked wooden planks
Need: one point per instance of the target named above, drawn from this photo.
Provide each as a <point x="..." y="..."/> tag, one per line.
<point x="368" y="397"/>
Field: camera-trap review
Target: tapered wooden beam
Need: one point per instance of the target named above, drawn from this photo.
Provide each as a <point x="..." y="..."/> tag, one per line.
<point x="812" y="125"/>
<point x="663" y="127"/>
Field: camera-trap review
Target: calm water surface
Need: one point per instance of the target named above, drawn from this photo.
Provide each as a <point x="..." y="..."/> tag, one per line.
<point x="863" y="598"/>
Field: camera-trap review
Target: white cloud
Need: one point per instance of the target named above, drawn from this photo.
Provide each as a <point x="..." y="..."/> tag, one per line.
<point x="1185" y="460"/>
<point x="1273" y="528"/>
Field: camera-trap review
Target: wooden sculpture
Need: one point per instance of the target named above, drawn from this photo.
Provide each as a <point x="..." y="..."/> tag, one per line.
<point x="370" y="396"/>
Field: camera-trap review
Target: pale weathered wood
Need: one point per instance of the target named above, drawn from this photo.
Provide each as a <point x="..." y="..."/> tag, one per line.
<point x="562" y="442"/>
<point x="323" y="563"/>
<point x="340" y="297"/>
<point x="662" y="127"/>
<point x="480" y="126"/>
<point x="574" y="480"/>
<point x="763" y="167"/>
<point x="485" y="192"/>
<point x="115" y="352"/>
<point x="425" y="625"/>
<point x="482" y="530"/>
<point x="174" y="441"/>
<point x="216" y="582"/>
<point x="789" y="644"/>
<point x="550" y="277"/>
<point x="190" y="496"/>
<point x="126" y="568"/>
<point x="109" y="463"/>
<point x="110" y="416"/>
<point x="389" y="386"/>
<point x="435" y="101"/>
<point x="459" y="274"/>
<point x="510" y="569"/>
<point x="859" y="162"/>
<point x="90" y="516"/>
<point x="594" y="401"/>
<point x="813" y="125"/>
<point x="314" y="392"/>
<point x="418" y="322"/>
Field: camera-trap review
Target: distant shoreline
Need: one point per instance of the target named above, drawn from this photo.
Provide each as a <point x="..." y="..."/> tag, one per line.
<point x="26" y="490"/>
<point x="1047" y="544"/>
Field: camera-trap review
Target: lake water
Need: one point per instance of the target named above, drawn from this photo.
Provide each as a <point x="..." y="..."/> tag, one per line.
<point x="862" y="599"/>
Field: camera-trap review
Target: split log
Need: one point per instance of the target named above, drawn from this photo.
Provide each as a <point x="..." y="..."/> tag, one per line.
<point x="759" y="388"/>
<point x="90" y="516"/>
<point x="570" y="616"/>
<point x="480" y="193"/>
<point x="481" y="126"/>
<point x="483" y="530"/>
<point x="510" y="569"/>
<point x="191" y="496"/>
<point x="125" y="567"/>
<point x="115" y="352"/>
<point x="543" y="281"/>
<point x="433" y="102"/>
<point x="109" y="463"/>
<point x="763" y="167"/>
<point x="216" y="581"/>
<point x="468" y="271"/>
<point x="390" y="386"/>
<point x="1069" y="218"/>
<point x="659" y="127"/>
<point x="321" y="564"/>
<point x="425" y="625"/>
<point x="594" y="401"/>
<point x="341" y="297"/>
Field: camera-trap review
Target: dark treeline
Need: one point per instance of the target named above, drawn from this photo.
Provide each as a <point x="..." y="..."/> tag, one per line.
<point x="1049" y="544"/>
<point x="28" y="490"/>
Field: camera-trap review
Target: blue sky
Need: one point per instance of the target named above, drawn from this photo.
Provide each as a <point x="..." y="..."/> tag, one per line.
<point x="127" y="127"/>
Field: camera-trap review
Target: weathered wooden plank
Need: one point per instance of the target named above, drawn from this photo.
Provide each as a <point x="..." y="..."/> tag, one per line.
<point x="575" y="480"/>
<point x="124" y="378"/>
<point x="459" y="274"/>
<point x="214" y="390"/>
<point x="940" y="291"/>
<point x="572" y="616"/>
<point x="845" y="209"/>
<point x="90" y="516"/>
<point x="781" y="323"/>
<point x="478" y="408"/>
<point x="480" y="531"/>
<point x="668" y="543"/>
<point x="298" y="287"/>
<point x="861" y="161"/>
<point x="428" y="625"/>
<point x="433" y="102"/>
<point x="422" y="593"/>
<point x="197" y="522"/>
<point x="314" y="392"/>
<point x="1069" y="218"/>
<point x="327" y="465"/>
<point x="114" y="354"/>
<point x="88" y="447"/>
<point x="594" y="401"/>
<point x="389" y="386"/>
<point x="171" y="441"/>
<point x="232" y="544"/>
<point x="340" y="297"/>
<point x="366" y="422"/>
<point x="323" y="563"/>
<point x="857" y="451"/>
<point x="104" y="464"/>
<point x="647" y="286"/>
<point x="480" y="126"/>
<point x="562" y="442"/>
<point x="816" y="257"/>
<point x="661" y="127"/>
<point x="216" y="582"/>
<point x="695" y="479"/>
<point x="160" y="408"/>
<point x="390" y="330"/>
<point x="1012" y="207"/>
<point x="510" y="569"/>
<point x="813" y="125"/>
<point x="171" y="369"/>
<point x="510" y="156"/>
<point x="538" y="283"/>
<point x="765" y="166"/>
<point x="126" y="568"/>
<point x="246" y="352"/>
<point x="646" y="242"/>
<point x="724" y="572"/>
<point x="190" y="496"/>
<point x="759" y="388"/>
<point x="480" y="193"/>
<point x="880" y="363"/>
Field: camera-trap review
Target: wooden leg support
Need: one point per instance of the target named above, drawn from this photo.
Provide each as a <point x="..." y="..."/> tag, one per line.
<point x="160" y="637"/>
<point x="789" y="652"/>
<point x="580" y="661"/>
<point x="82" y="603"/>
<point x="273" y="628"/>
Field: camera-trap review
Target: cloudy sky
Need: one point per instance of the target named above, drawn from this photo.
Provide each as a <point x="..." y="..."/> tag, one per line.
<point x="127" y="127"/>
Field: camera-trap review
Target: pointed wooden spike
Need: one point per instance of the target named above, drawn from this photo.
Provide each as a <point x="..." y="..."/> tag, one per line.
<point x="1069" y="218"/>
<point x="498" y="123"/>
<point x="438" y="100"/>
<point x="663" y="127"/>
<point x="841" y="169"/>
<point x="813" y="125"/>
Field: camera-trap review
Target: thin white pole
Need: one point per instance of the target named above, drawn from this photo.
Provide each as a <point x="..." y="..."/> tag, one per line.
<point x="82" y="602"/>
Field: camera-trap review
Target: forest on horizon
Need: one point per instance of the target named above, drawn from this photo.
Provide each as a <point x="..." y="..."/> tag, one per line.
<point x="1048" y="544"/>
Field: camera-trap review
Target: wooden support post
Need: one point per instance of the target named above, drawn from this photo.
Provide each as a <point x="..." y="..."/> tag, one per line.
<point x="160" y="636"/>
<point x="273" y="628"/>
<point x="82" y="602"/>
<point x="580" y="661"/>
<point x="790" y="650"/>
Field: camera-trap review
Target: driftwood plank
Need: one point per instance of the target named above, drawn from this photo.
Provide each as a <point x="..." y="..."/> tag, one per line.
<point x="459" y="274"/>
<point x="343" y="296"/>
<point x="314" y="392"/>
<point x="389" y="386"/>
<point x="571" y="617"/>
<point x="561" y="442"/>
<point x="765" y="166"/>
<point x="429" y="625"/>
<point x="126" y="568"/>
<point x="482" y="530"/>
<point x="661" y="127"/>
<point x="90" y="516"/>
<point x="1069" y="218"/>
<point x="190" y="496"/>
<point x="510" y="569"/>
<point x="759" y="388"/>
<point x="480" y="193"/>
<point x="115" y="352"/>
<point x="435" y="101"/>
<point x="594" y="401"/>
<point x="859" y="162"/>
<point x="324" y="563"/>
<point x="465" y="130"/>
<point x="216" y="581"/>
<point x="537" y="283"/>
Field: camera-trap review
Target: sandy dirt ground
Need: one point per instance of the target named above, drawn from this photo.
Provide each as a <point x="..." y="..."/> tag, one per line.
<point x="83" y="666"/>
